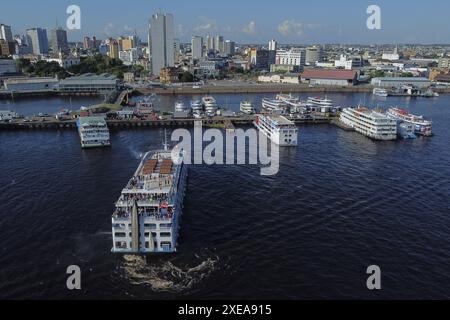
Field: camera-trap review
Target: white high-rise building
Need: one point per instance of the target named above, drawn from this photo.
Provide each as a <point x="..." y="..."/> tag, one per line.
<point x="161" y="43"/>
<point x="197" y="47"/>
<point x="37" y="38"/>
<point x="219" y="44"/>
<point x="293" y="57"/>
<point x="273" y="45"/>
<point x="313" y="55"/>
<point x="229" y="48"/>
<point x="210" y="43"/>
<point x="6" y="33"/>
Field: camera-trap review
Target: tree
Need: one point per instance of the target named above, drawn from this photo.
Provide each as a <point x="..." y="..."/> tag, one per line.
<point x="186" y="77"/>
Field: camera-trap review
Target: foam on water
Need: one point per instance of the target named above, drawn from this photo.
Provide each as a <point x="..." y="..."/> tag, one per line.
<point x="166" y="276"/>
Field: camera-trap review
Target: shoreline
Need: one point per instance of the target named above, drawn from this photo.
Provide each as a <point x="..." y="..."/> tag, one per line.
<point x="207" y="90"/>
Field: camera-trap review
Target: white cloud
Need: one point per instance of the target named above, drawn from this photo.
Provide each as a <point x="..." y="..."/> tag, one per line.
<point x="206" y="25"/>
<point x="109" y="29"/>
<point x="291" y="27"/>
<point x="250" y="28"/>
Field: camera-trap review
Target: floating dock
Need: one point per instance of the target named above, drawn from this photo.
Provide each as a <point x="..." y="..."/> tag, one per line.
<point x="224" y="122"/>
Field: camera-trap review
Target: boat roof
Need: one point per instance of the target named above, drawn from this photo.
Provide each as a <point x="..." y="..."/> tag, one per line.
<point x="280" y="120"/>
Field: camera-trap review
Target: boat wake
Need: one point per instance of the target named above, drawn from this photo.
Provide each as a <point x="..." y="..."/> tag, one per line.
<point x="166" y="277"/>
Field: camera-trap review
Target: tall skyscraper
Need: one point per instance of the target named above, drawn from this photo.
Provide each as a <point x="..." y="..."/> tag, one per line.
<point x="6" y="33"/>
<point x="58" y="40"/>
<point x="273" y="45"/>
<point x="229" y="48"/>
<point x="219" y="45"/>
<point x="197" y="47"/>
<point x="37" y="37"/>
<point x="210" y="43"/>
<point x="114" y="49"/>
<point x="162" y="42"/>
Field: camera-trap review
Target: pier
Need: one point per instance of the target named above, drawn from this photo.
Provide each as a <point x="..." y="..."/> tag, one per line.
<point x="48" y="123"/>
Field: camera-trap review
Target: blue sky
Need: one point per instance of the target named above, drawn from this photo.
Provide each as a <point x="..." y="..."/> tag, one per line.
<point x="246" y="21"/>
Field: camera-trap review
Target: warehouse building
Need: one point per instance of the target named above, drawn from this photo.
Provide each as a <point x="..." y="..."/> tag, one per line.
<point x="339" y="78"/>
<point x="389" y="82"/>
<point x="24" y="84"/>
<point x="90" y="83"/>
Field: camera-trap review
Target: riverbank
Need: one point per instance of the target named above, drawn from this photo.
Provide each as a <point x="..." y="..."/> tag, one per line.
<point x="259" y="88"/>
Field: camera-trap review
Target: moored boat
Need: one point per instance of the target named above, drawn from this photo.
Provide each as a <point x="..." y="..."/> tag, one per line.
<point x="422" y="127"/>
<point x="247" y="107"/>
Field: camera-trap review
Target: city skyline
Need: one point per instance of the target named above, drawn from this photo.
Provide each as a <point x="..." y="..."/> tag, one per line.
<point x="287" y="21"/>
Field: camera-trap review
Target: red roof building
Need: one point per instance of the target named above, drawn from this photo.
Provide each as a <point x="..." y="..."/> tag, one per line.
<point x="330" y="77"/>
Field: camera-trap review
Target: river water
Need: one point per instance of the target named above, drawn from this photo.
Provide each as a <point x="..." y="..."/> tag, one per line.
<point x="339" y="204"/>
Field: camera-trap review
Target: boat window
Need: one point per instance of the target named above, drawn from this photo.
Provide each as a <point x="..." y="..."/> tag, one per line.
<point x="120" y="235"/>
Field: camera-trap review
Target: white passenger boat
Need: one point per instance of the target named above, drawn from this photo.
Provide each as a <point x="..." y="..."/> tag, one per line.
<point x="210" y="105"/>
<point x="422" y="127"/>
<point x="278" y="129"/>
<point x="247" y="107"/>
<point x="322" y="105"/>
<point x="294" y="103"/>
<point x="93" y="132"/>
<point x="197" y="106"/>
<point x="180" y="107"/>
<point x="380" y="92"/>
<point x="148" y="212"/>
<point x="369" y="123"/>
<point x="274" y="106"/>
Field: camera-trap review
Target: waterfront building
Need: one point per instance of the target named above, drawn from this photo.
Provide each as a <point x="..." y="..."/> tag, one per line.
<point x="23" y="84"/>
<point x="389" y="82"/>
<point x="370" y="123"/>
<point x="58" y="40"/>
<point x="6" y="33"/>
<point x="277" y="78"/>
<point x="7" y="66"/>
<point x="148" y="213"/>
<point x="273" y="45"/>
<point x="161" y="42"/>
<point x="93" y="132"/>
<point x="278" y="129"/>
<point x="313" y="55"/>
<point x="293" y="57"/>
<point x="197" y="47"/>
<point x="37" y="37"/>
<point x="90" y="83"/>
<point x="341" y="78"/>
